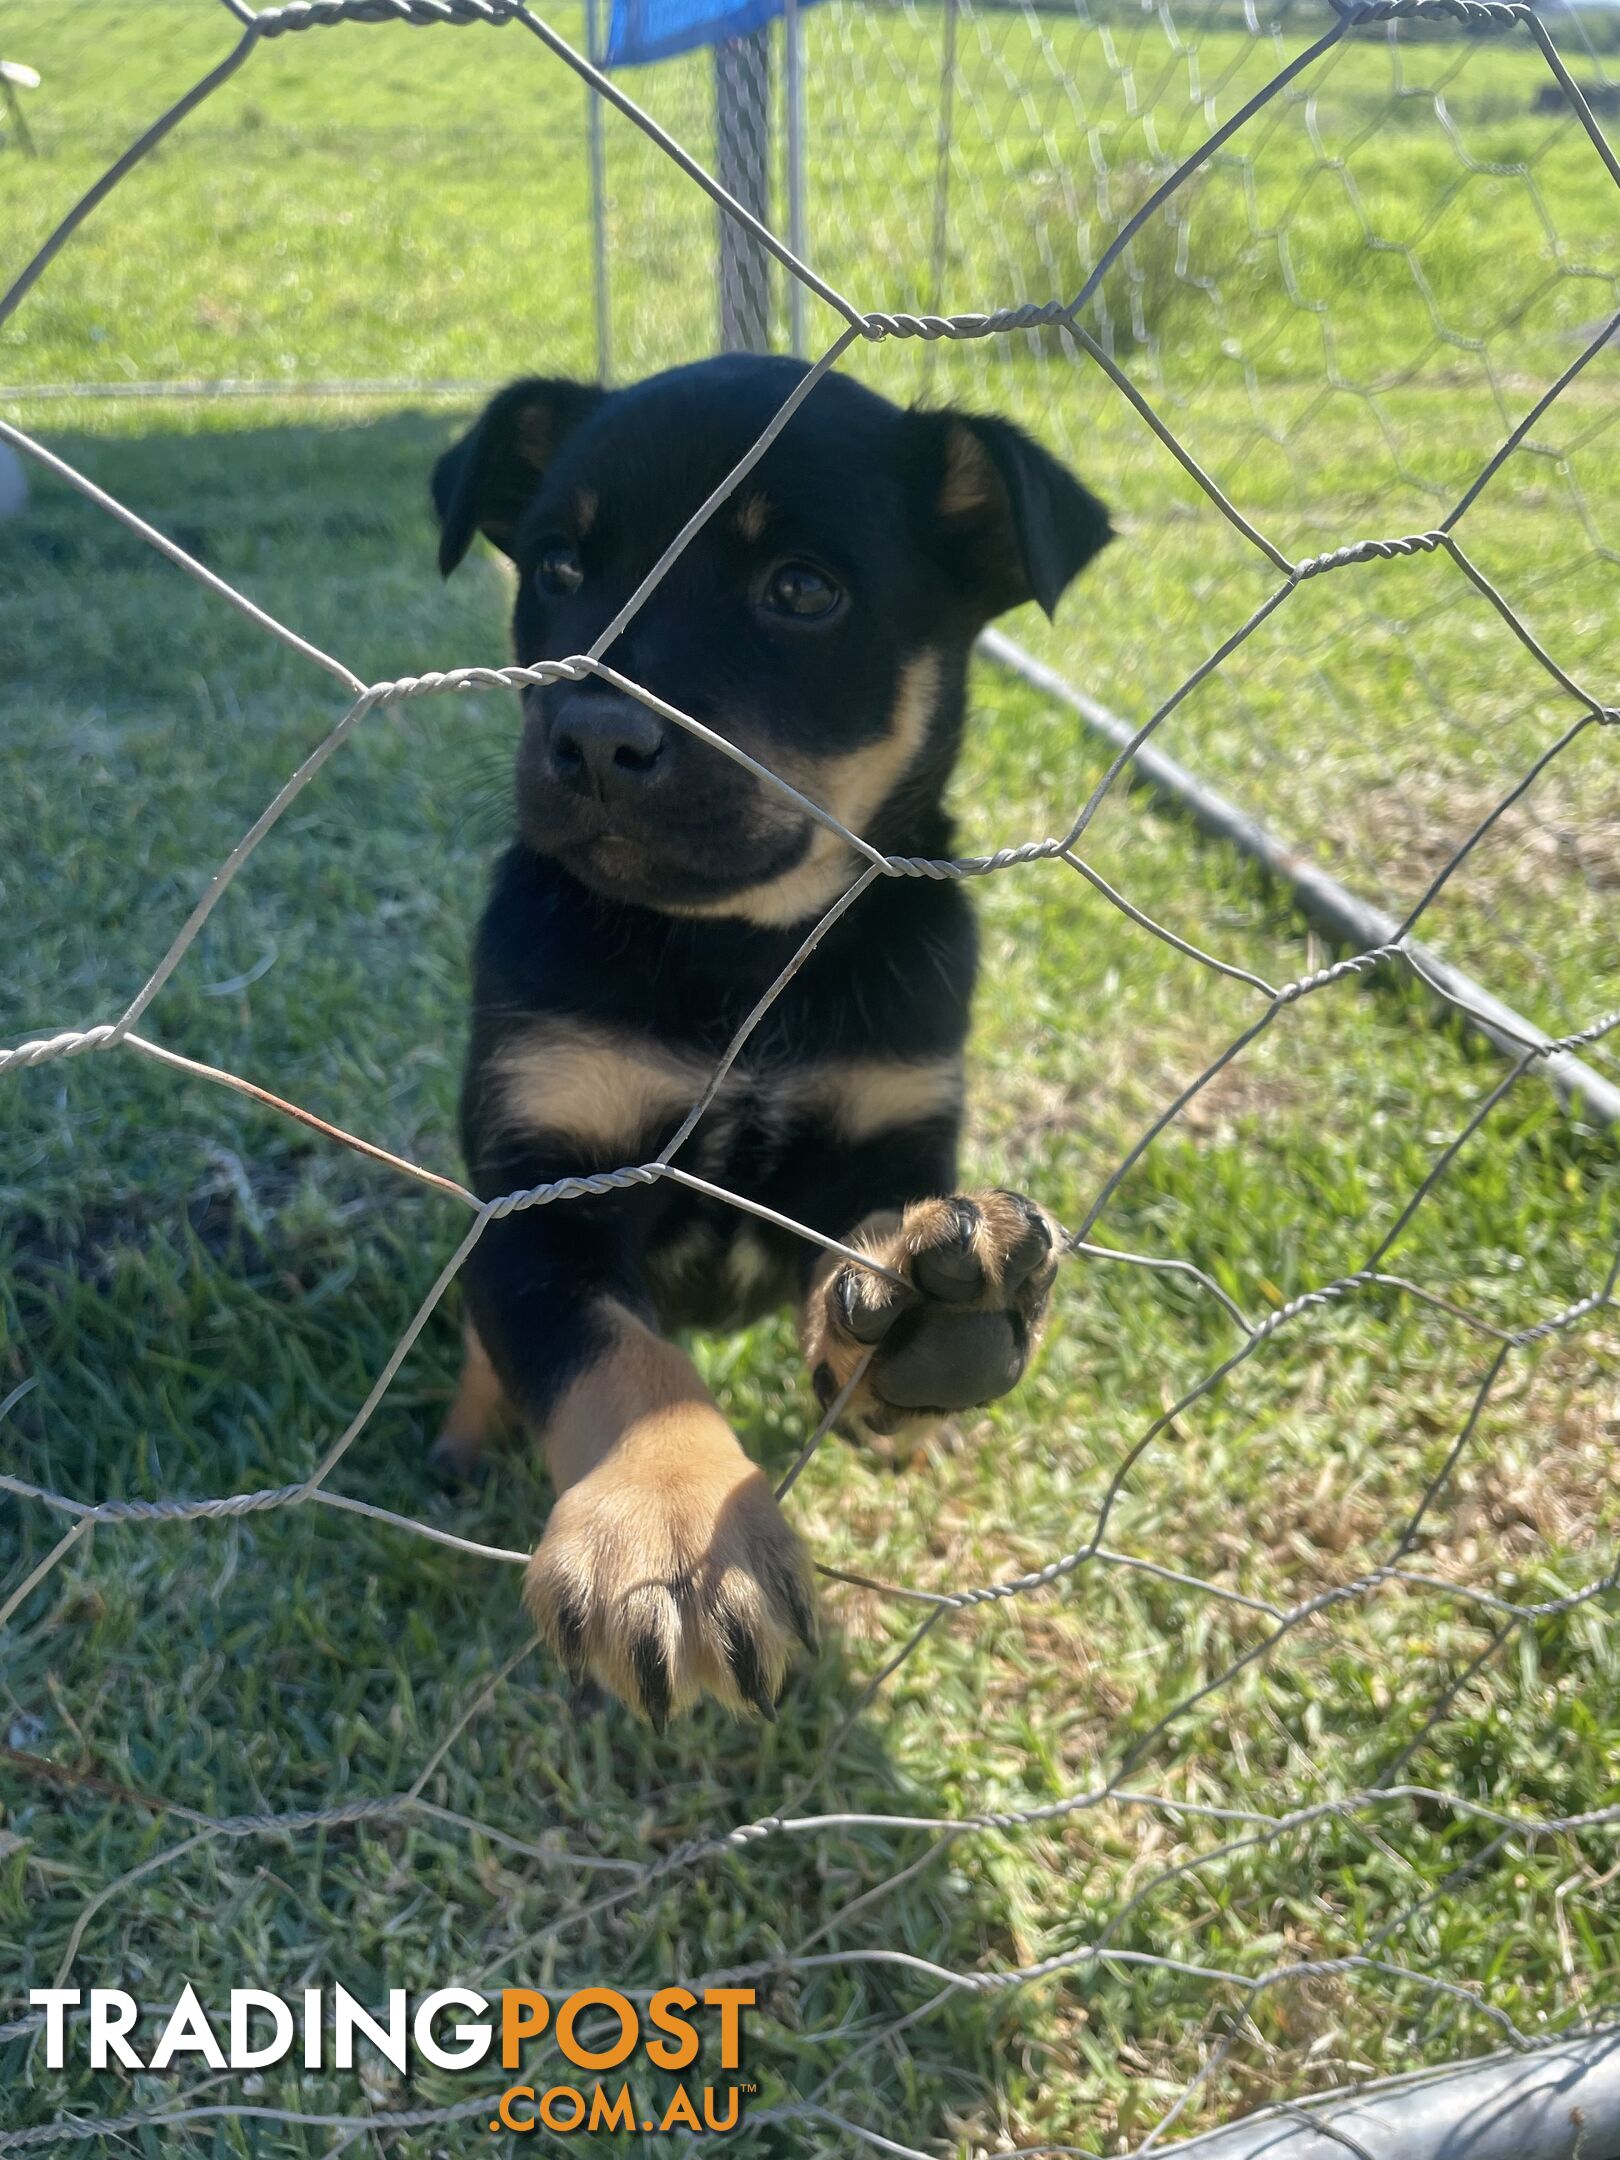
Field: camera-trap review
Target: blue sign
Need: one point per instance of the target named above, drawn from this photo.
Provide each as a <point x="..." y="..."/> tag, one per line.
<point x="640" y="30"/>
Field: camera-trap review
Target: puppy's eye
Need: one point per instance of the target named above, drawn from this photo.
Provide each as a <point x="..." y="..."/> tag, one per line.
<point x="801" y="590"/>
<point x="559" y="569"/>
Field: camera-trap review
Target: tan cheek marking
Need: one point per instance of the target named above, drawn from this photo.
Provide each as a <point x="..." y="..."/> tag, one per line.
<point x="870" y="1096"/>
<point x="808" y="890"/>
<point x="853" y="788"/>
<point x="599" y="1089"/>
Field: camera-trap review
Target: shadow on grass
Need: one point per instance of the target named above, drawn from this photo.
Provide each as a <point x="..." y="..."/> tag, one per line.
<point x="302" y="1659"/>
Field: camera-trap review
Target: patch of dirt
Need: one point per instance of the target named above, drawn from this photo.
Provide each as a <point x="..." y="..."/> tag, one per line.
<point x="1244" y="1090"/>
<point x="1021" y="1110"/>
<point x="1541" y="1475"/>
<point x="1551" y="1482"/>
<point x="1565" y="828"/>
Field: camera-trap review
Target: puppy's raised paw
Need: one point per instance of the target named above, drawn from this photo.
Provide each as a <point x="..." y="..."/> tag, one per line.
<point x="666" y="1583"/>
<point x="957" y="1331"/>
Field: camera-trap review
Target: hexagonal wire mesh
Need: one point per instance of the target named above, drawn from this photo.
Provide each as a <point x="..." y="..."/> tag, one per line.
<point x="1249" y="227"/>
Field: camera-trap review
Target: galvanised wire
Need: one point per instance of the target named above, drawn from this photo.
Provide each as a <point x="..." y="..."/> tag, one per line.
<point x="1238" y="1991"/>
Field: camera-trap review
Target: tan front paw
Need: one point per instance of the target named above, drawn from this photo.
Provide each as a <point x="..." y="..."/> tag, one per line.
<point x="957" y="1331"/>
<point x="664" y="1583"/>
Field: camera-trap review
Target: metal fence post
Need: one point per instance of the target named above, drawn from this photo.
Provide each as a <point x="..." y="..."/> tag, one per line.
<point x="945" y="142"/>
<point x="742" y="87"/>
<point x="793" y="71"/>
<point x="596" y="48"/>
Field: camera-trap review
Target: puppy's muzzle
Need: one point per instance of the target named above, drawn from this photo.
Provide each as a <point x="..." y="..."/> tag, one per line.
<point x="606" y="747"/>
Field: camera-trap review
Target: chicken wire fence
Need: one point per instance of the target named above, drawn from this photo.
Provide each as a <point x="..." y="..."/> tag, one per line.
<point x="1173" y="211"/>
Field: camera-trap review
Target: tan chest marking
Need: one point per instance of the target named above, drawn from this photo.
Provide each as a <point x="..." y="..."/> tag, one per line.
<point x="607" y="1091"/>
<point x="863" y="1097"/>
<point x="613" y="1094"/>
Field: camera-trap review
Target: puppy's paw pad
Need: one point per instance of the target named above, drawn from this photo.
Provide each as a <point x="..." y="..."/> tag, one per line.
<point x="952" y="1361"/>
<point x="956" y="1331"/>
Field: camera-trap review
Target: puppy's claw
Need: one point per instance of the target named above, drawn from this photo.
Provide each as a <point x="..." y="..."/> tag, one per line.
<point x="648" y="1662"/>
<point x="567" y="1632"/>
<point x="742" y="1655"/>
<point x="867" y="1305"/>
<point x="802" y="1613"/>
<point x="662" y="1588"/>
<point x="1031" y="1249"/>
<point x="951" y="1269"/>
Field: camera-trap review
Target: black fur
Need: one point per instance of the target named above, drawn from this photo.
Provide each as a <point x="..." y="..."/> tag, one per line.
<point x="611" y="907"/>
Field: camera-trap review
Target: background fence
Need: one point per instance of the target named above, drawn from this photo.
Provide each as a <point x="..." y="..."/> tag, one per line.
<point x="1244" y="1730"/>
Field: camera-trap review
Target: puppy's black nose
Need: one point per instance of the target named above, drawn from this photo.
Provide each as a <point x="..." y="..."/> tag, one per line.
<point x="606" y="746"/>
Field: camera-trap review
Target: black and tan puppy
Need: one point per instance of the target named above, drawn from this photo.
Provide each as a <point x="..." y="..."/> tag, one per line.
<point x="821" y="621"/>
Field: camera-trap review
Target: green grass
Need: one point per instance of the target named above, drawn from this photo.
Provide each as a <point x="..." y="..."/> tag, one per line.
<point x="203" y="1293"/>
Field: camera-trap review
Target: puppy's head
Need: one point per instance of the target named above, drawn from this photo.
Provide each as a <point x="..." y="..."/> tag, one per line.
<point x="820" y="620"/>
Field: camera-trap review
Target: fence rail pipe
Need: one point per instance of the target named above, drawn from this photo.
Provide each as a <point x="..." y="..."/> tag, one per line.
<point x="1342" y="914"/>
<point x="1561" y="2102"/>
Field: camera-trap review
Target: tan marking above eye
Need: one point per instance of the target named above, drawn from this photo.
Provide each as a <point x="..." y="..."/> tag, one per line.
<point x="606" y="1091"/>
<point x="752" y="513"/>
<point x="586" y="505"/>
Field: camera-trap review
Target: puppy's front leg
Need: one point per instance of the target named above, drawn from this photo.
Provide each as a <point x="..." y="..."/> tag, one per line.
<point x="665" y="1568"/>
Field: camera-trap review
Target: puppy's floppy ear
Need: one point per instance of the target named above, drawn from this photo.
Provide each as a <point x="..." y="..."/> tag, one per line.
<point x="1017" y="525"/>
<point x="482" y="483"/>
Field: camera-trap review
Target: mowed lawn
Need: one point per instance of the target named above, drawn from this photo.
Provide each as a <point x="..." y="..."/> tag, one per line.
<point x="199" y="1294"/>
